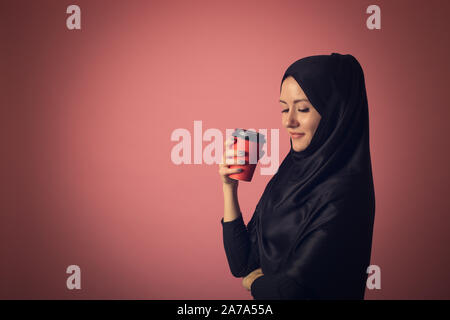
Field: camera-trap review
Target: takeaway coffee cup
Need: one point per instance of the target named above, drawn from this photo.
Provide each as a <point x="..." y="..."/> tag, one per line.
<point x="247" y="144"/>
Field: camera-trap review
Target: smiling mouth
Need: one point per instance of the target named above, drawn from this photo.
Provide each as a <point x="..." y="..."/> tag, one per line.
<point x="296" y="135"/>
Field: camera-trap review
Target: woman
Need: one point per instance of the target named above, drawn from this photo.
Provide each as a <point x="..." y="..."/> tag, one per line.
<point x="310" y="236"/>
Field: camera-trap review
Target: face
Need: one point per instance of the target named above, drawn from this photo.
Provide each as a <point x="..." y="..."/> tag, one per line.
<point x="298" y="114"/>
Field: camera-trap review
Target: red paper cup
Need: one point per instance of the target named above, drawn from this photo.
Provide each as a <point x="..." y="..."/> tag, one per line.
<point x="248" y="144"/>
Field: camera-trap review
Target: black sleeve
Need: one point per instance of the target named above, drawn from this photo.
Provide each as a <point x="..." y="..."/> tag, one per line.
<point x="243" y="257"/>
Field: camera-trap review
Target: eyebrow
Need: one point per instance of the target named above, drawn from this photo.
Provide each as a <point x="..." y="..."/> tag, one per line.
<point x="295" y="101"/>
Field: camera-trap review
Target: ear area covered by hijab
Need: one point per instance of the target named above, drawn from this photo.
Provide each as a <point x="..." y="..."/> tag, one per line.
<point x="315" y="217"/>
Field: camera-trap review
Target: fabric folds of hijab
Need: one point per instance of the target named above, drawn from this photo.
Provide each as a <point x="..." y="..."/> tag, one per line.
<point x="315" y="218"/>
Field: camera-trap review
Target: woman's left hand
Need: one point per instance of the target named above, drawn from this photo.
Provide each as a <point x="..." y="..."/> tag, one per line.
<point x="252" y="276"/>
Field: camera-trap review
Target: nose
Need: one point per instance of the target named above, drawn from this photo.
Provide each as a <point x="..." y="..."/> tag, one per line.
<point x="291" y="119"/>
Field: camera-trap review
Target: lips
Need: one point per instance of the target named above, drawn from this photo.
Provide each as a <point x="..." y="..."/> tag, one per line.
<point x="296" y="135"/>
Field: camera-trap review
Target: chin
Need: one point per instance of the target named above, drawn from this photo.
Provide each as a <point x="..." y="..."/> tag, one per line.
<point x="298" y="149"/>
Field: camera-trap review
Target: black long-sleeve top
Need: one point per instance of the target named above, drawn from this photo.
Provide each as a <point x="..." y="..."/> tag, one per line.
<point x="243" y="258"/>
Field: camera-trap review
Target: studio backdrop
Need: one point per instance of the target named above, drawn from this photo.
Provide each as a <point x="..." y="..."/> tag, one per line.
<point x="113" y="112"/>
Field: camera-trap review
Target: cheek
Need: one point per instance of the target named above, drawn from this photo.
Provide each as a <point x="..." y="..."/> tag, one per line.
<point x="313" y="123"/>
<point x="308" y="125"/>
<point x="316" y="124"/>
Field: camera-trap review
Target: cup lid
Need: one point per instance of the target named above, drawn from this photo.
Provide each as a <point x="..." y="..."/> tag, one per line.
<point x="249" y="135"/>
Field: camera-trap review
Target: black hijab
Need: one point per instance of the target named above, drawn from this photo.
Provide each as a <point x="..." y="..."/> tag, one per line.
<point x="315" y="218"/>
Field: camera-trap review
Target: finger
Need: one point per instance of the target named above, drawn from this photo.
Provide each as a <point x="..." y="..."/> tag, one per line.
<point x="233" y="170"/>
<point x="230" y="152"/>
<point x="226" y="153"/>
<point x="229" y="161"/>
<point x="245" y="283"/>
<point x="256" y="277"/>
<point x="235" y="161"/>
<point x="229" y="142"/>
<point x="233" y="153"/>
<point x="257" y="271"/>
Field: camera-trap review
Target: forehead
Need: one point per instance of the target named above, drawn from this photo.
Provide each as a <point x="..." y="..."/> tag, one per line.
<point x="291" y="89"/>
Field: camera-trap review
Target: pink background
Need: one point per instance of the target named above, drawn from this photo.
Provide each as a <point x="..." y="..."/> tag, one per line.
<point x="87" y="116"/>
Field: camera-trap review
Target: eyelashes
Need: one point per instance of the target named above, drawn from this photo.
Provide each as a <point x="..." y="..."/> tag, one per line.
<point x="301" y="110"/>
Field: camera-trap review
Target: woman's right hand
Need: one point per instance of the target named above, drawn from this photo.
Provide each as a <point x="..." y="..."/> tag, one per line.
<point x="224" y="169"/>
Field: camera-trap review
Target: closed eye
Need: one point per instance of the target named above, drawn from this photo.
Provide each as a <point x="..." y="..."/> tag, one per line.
<point x="301" y="110"/>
